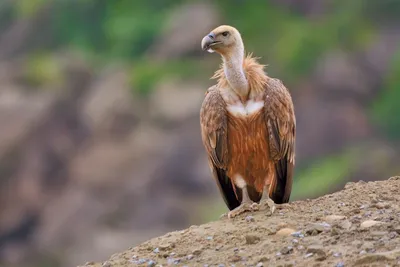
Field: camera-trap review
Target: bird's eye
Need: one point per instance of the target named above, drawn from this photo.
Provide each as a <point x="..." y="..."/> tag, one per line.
<point x="225" y="33"/>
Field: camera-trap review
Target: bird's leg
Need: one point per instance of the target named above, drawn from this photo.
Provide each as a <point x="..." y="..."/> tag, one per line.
<point x="266" y="201"/>
<point x="246" y="205"/>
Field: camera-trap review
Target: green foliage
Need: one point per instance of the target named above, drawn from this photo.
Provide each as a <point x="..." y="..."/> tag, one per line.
<point x="146" y="73"/>
<point x="27" y="8"/>
<point x="43" y="70"/>
<point x="294" y="43"/>
<point x="322" y="175"/>
<point x="210" y="210"/>
<point x="117" y="30"/>
<point x="124" y="30"/>
<point x="126" y="34"/>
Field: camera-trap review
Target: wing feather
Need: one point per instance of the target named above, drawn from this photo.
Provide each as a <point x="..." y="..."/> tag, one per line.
<point x="213" y="121"/>
<point x="281" y="123"/>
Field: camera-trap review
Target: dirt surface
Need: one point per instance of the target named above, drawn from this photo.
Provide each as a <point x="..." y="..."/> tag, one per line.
<point x="358" y="226"/>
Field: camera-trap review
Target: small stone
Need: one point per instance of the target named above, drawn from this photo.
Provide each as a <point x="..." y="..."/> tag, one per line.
<point x="287" y="250"/>
<point x="260" y="264"/>
<point x="282" y="225"/>
<point x="394" y="178"/>
<point x="278" y="254"/>
<point x="285" y="232"/>
<point x="295" y="241"/>
<point x="357" y="243"/>
<point x="298" y="234"/>
<point x="235" y="249"/>
<point x="397" y="229"/>
<point x="345" y="225"/>
<point x="196" y="252"/>
<point x="379" y="233"/>
<point x="89" y="263"/>
<point x="141" y="261"/>
<point x="300" y="247"/>
<point x="326" y="225"/>
<point x="251" y="239"/>
<point x="308" y="255"/>
<point x="318" y="251"/>
<point x="249" y="218"/>
<point x="177" y="261"/>
<point x="382" y="205"/>
<point x="369" y="223"/>
<point x="363" y="252"/>
<point x="393" y="235"/>
<point x="172" y="254"/>
<point x="156" y="250"/>
<point x="315" y="229"/>
<point x="165" y="246"/>
<point x="320" y="257"/>
<point x="209" y="238"/>
<point x="235" y="258"/>
<point x="190" y="257"/>
<point x="221" y="265"/>
<point x="368" y="214"/>
<point x="335" y="231"/>
<point x="334" y="218"/>
<point x="106" y="264"/>
<point x="151" y="263"/>
<point x="367" y="246"/>
<point x="340" y="264"/>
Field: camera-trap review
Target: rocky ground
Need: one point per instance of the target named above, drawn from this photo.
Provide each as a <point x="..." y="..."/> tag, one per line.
<point x="358" y="226"/>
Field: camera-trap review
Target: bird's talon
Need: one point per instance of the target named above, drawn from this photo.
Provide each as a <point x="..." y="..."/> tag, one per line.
<point x="254" y="206"/>
<point x="244" y="207"/>
<point x="270" y="204"/>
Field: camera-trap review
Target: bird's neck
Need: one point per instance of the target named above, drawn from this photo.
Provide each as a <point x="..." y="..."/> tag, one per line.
<point x="234" y="73"/>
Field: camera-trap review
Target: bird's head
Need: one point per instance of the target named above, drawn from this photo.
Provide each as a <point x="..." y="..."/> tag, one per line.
<point x="223" y="40"/>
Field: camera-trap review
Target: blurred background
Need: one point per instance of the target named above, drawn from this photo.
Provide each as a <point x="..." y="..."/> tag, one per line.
<point x="100" y="141"/>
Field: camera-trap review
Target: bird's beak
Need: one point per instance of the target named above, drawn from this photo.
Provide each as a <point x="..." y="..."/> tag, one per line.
<point x="208" y="42"/>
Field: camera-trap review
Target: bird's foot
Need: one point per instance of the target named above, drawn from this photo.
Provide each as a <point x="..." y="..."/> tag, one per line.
<point x="268" y="203"/>
<point x="244" y="207"/>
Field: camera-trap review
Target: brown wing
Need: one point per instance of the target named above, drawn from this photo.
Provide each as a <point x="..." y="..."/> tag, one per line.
<point x="213" y="121"/>
<point x="281" y="123"/>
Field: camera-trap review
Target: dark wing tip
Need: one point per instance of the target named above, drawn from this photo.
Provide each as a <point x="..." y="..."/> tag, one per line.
<point x="226" y="188"/>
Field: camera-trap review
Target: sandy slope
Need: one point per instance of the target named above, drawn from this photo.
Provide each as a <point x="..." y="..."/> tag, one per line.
<point x="358" y="226"/>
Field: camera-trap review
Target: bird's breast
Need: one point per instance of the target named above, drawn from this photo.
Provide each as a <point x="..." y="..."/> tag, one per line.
<point x="243" y="110"/>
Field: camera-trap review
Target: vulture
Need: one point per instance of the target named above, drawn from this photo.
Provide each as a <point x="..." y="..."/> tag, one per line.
<point x="248" y="128"/>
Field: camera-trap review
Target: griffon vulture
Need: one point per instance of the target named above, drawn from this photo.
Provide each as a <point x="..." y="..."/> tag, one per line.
<point x="248" y="128"/>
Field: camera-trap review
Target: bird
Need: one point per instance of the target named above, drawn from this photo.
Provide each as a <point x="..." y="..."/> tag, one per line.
<point x="248" y="128"/>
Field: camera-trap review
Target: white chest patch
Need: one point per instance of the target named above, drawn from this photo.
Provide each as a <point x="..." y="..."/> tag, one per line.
<point x="251" y="107"/>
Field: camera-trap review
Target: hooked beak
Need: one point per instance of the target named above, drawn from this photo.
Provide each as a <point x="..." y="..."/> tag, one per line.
<point x="208" y="42"/>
